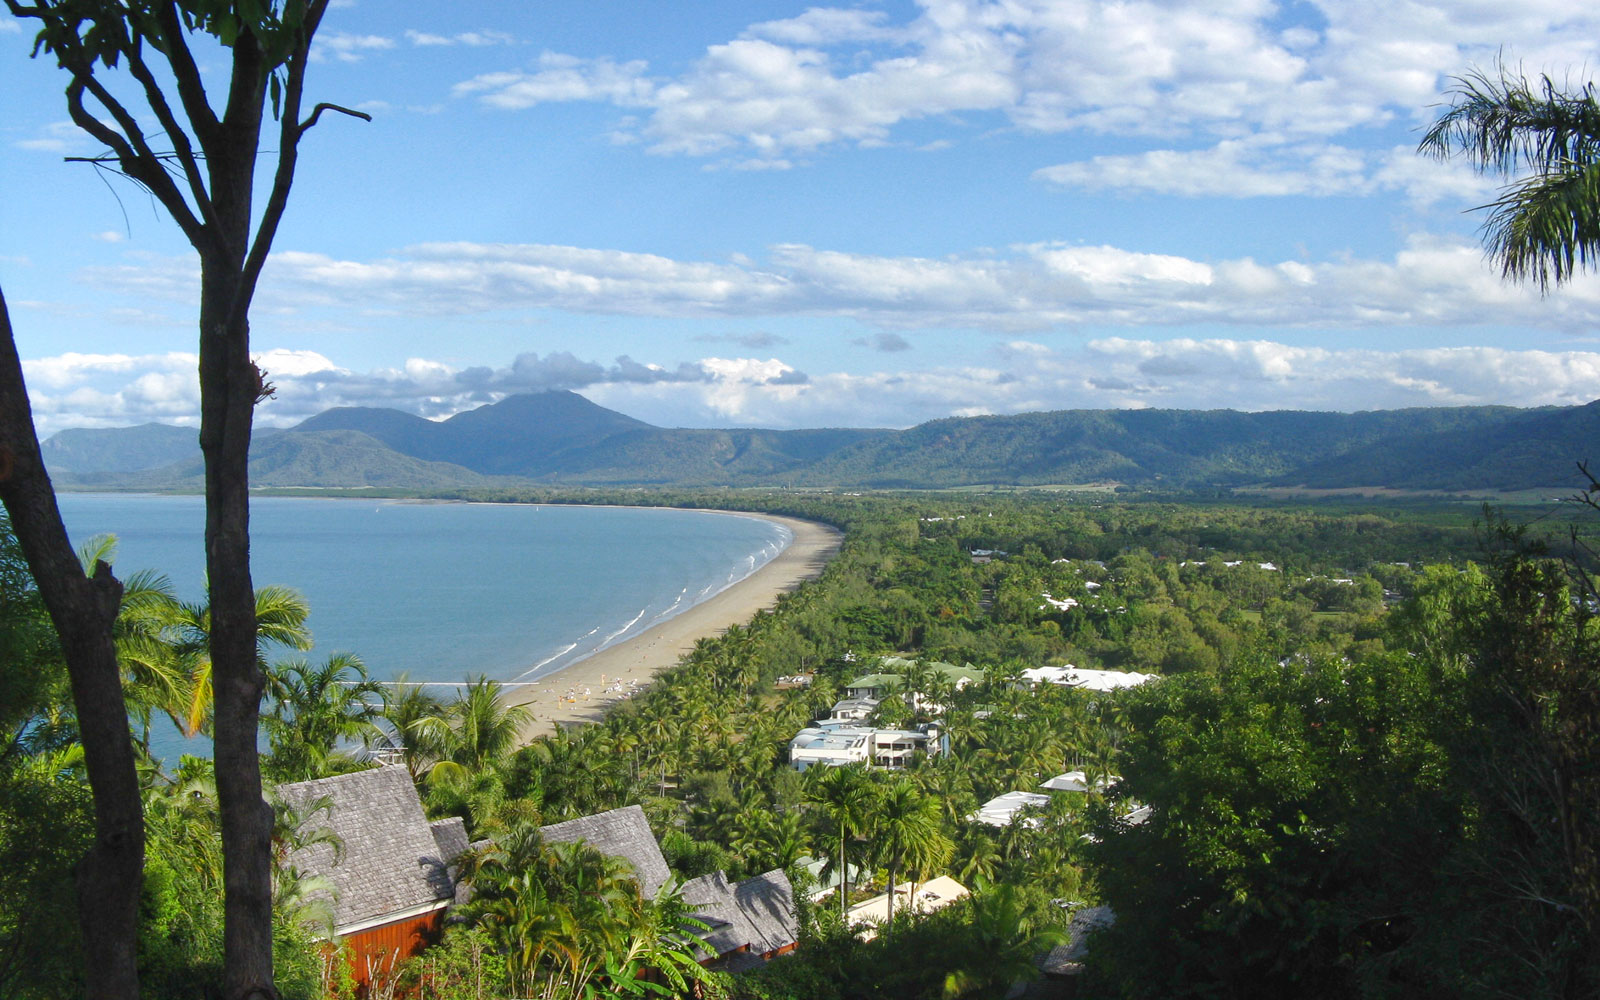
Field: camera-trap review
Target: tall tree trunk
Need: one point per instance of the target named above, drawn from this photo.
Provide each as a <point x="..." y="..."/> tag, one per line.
<point x="83" y="610"/>
<point x="229" y="384"/>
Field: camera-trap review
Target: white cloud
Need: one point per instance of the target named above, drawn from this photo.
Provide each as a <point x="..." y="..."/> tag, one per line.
<point x="476" y="39"/>
<point x="9" y="26"/>
<point x="1211" y="71"/>
<point x="63" y="137"/>
<point x="1269" y="166"/>
<point x="347" y="47"/>
<point x="1430" y="282"/>
<point x="716" y="391"/>
<point x="563" y="78"/>
<point x="827" y="26"/>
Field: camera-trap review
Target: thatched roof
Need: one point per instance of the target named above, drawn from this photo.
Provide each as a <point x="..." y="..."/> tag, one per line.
<point x="391" y="859"/>
<point x="623" y="833"/>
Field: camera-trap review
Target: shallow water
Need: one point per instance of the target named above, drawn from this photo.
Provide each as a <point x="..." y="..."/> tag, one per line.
<point x="443" y="590"/>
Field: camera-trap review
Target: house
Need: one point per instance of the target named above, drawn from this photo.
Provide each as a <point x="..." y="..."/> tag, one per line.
<point x="392" y="876"/>
<point x="620" y="833"/>
<point x="853" y="709"/>
<point x="824" y="882"/>
<point x="834" y="745"/>
<point x="1083" y="677"/>
<point x="1078" y="781"/>
<point x="920" y="897"/>
<point x="749" y="921"/>
<point x="1002" y="809"/>
<point x="892" y="680"/>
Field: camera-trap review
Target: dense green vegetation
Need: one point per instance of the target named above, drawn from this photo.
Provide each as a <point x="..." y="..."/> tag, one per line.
<point x="562" y="437"/>
<point x="1370" y="766"/>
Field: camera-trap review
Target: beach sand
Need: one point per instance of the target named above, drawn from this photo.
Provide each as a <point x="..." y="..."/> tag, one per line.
<point x="612" y="674"/>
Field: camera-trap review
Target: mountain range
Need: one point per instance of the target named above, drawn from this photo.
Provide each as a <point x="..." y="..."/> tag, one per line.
<point x="563" y="438"/>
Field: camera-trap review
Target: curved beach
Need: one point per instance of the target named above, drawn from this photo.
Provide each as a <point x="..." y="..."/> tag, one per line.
<point x="609" y="676"/>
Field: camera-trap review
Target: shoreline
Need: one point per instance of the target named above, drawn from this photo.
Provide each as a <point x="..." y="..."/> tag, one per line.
<point x="611" y="675"/>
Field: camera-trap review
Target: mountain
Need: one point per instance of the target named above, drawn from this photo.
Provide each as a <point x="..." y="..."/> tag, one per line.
<point x="1174" y="447"/>
<point x="83" y="454"/>
<point x="1527" y="448"/>
<point x="561" y="437"/>
<point x="321" y="459"/>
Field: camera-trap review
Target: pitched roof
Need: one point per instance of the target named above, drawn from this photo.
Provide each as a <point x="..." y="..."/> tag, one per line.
<point x="623" y="833"/>
<point x="758" y="912"/>
<point x="711" y="899"/>
<point x="390" y="861"/>
<point x="767" y="902"/>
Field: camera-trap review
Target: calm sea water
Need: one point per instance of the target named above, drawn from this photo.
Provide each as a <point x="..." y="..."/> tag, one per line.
<point x="443" y="590"/>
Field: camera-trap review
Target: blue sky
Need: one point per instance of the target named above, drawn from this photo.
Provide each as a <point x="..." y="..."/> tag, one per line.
<point x="769" y="214"/>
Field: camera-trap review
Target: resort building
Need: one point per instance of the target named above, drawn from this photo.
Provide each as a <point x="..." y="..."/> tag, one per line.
<point x="863" y="694"/>
<point x="1083" y="677"/>
<point x="909" y="897"/>
<point x="392" y="875"/>
<point x="1002" y="809"/>
<point x="832" y="744"/>
<point x="748" y="922"/>
<point x="1078" y="781"/>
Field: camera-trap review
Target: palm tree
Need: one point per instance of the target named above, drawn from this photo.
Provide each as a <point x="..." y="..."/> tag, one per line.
<point x="281" y="614"/>
<point x="407" y="705"/>
<point x="847" y="796"/>
<point x="1545" y="225"/>
<point x="1002" y="942"/>
<point x="478" y="729"/>
<point x="906" y="830"/>
<point x="314" y="708"/>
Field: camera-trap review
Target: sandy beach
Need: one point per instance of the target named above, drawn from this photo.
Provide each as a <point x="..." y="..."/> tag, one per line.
<point x="613" y="674"/>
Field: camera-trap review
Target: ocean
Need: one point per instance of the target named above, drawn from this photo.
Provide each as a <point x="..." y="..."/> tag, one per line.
<point x="443" y="590"/>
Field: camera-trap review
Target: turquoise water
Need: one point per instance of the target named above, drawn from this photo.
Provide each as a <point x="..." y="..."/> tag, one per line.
<point x="443" y="590"/>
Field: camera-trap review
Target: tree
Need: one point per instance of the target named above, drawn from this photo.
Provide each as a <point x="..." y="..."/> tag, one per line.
<point x="846" y="795"/>
<point x="206" y="183"/>
<point x="313" y="708"/>
<point x="906" y="832"/>
<point x="83" y="608"/>
<point x="1545" y="226"/>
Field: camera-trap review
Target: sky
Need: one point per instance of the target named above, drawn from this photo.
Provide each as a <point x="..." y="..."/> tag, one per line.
<point x="763" y="213"/>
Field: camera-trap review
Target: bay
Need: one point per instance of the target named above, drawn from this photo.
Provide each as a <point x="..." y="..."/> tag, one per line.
<point x="441" y="590"/>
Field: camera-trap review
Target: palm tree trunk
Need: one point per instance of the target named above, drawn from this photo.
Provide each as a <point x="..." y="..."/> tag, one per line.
<point x="844" y="877"/>
<point x="889" y="927"/>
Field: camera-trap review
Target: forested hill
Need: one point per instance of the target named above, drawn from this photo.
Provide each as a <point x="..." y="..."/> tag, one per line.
<point x="561" y="437"/>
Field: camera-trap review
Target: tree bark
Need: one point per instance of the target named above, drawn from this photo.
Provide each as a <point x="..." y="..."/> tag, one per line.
<point x="83" y="609"/>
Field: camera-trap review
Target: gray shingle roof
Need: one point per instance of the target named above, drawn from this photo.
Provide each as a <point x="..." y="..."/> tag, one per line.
<point x="623" y="833"/>
<point x="758" y="912"/>
<point x="767" y="902"/>
<point x="391" y="859"/>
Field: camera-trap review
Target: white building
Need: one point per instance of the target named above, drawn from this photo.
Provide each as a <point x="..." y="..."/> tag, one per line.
<point x="1002" y="810"/>
<point x="1078" y="781"/>
<point x="1083" y="677"/>
<point x="837" y="745"/>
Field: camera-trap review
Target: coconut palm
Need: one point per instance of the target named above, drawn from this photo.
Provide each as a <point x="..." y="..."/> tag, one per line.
<point x="314" y="708"/>
<point x="406" y="705"/>
<point x="479" y="729"/>
<point x="1545" y="226"/>
<point x="281" y="614"/>
<point x="846" y="795"/>
<point x="1001" y="946"/>
<point x="906" y="832"/>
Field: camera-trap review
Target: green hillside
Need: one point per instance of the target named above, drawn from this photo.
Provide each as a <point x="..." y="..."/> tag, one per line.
<point x="561" y="437"/>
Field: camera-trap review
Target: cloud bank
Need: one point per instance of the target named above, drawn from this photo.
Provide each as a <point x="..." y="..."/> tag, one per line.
<point x="1431" y="282"/>
<point x="1018" y="376"/>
